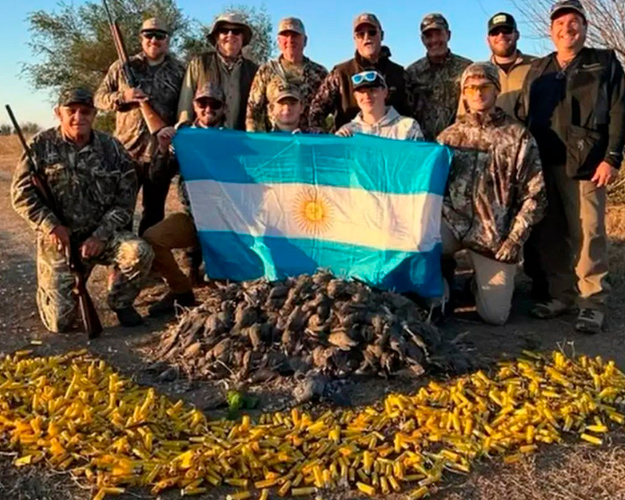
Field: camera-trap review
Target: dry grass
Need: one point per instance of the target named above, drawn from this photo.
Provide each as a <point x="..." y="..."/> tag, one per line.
<point x="562" y="473"/>
<point x="10" y="146"/>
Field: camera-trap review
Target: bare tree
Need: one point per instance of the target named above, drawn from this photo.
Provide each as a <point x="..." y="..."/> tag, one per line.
<point x="606" y="21"/>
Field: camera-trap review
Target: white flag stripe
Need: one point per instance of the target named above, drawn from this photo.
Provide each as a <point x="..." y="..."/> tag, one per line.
<point x="337" y="214"/>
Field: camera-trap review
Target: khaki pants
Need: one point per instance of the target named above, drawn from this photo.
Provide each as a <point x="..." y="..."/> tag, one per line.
<point x="176" y="231"/>
<point x="494" y="281"/>
<point x="572" y="240"/>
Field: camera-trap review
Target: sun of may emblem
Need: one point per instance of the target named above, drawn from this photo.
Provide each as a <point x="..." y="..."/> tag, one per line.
<point x="312" y="211"/>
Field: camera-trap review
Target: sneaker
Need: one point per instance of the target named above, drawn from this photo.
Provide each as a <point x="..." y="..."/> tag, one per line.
<point x="167" y="305"/>
<point x="550" y="309"/>
<point x="589" y="321"/>
<point x="128" y="316"/>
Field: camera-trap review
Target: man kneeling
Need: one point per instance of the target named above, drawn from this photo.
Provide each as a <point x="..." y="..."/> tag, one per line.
<point x="93" y="184"/>
<point x="495" y="194"/>
<point x="178" y="230"/>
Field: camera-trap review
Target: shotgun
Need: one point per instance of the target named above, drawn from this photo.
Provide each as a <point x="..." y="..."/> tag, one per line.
<point x="88" y="314"/>
<point x="153" y="121"/>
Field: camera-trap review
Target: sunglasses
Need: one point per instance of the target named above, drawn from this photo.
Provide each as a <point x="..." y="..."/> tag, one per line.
<point x="501" y="31"/>
<point x="158" y="35"/>
<point x="371" y="32"/>
<point x="209" y="103"/>
<point x="367" y="76"/>
<point x="474" y="89"/>
<point x="234" y="31"/>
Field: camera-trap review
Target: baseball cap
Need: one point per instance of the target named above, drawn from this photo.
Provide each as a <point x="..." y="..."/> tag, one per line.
<point x="154" y="24"/>
<point x="563" y="5"/>
<point x="367" y="18"/>
<point x="76" y="95"/>
<point x="210" y="90"/>
<point x="368" y="78"/>
<point x="286" y="90"/>
<point x="501" y="20"/>
<point x="291" y="24"/>
<point x="434" y="21"/>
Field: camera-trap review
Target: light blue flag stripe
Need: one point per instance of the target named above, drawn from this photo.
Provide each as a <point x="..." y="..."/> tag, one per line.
<point x="360" y="162"/>
<point x="242" y="257"/>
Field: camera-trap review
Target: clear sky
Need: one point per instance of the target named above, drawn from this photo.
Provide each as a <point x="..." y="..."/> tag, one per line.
<point x="328" y="24"/>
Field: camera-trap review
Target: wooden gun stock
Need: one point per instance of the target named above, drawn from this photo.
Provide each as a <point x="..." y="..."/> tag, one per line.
<point x="88" y="314"/>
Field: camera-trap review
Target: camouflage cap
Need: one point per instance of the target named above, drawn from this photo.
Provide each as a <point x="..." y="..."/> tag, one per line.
<point x="485" y="70"/>
<point x="76" y="95"/>
<point x="562" y="6"/>
<point x="434" y="21"/>
<point x="283" y="90"/>
<point x="291" y="24"/>
<point x="154" y="24"/>
<point x="210" y="90"/>
<point x="367" y="18"/>
<point x="235" y="20"/>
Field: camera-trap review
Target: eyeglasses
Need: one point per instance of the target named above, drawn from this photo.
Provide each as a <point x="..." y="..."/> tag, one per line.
<point x="207" y="102"/>
<point x="474" y="89"/>
<point x="367" y="76"/>
<point x="158" y="35"/>
<point x="501" y="31"/>
<point x="371" y="32"/>
<point x="234" y="31"/>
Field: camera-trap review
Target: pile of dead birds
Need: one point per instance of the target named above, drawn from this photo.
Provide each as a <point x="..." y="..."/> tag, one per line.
<point x="255" y="330"/>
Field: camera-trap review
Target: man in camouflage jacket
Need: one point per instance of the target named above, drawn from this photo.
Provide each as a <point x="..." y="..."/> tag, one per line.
<point x="496" y="191"/>
<point x="336" y="95"/>
<point x="93" y="183"/>
<point x="159" y="77"/>
<point x="434" y="80"/>
<point x="293" y="68"/>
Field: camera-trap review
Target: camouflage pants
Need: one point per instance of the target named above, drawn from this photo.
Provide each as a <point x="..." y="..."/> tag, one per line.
<point x="130" y="256"/>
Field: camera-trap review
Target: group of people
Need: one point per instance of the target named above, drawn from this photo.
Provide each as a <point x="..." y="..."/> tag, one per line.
<point x="535" y="142"/>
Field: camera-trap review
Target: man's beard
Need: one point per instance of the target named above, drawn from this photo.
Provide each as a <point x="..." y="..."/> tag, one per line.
<point x="504" y="52"/>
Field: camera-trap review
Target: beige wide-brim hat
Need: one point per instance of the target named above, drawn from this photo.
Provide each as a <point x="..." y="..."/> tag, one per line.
<point x="231" y="19"/>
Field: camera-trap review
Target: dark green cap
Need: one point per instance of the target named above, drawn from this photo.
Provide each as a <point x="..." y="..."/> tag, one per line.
<point x="76" y="95"/>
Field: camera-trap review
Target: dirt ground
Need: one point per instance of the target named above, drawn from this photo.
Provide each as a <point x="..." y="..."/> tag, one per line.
<point x="572" y="471"/>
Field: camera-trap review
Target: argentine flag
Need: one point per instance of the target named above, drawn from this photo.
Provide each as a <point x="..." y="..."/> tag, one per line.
<point x="278" y="205"/>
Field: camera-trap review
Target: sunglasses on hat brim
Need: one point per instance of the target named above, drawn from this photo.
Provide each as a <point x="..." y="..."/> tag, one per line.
<point x="368" y="77"/>
<point x="158" y="35"/>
